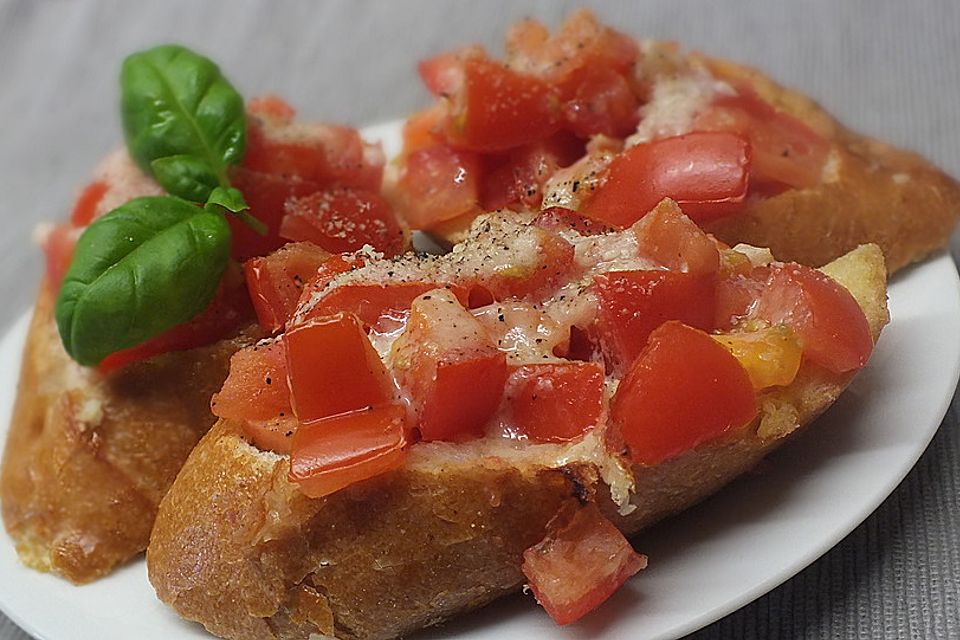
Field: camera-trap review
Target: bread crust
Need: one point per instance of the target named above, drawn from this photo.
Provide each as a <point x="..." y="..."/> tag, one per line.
<point x="88" y="457"/>
<point x="240" y="549"/>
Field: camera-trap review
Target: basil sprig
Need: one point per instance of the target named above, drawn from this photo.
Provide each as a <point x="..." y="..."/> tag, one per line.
<point x="183" y="121"/>
<point x="146" y="266"/>
<point x="156" y="262"/>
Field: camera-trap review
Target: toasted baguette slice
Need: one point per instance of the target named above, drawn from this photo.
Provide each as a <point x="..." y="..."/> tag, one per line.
<point x="88" y="457"/>
<point x="240" y="549"/>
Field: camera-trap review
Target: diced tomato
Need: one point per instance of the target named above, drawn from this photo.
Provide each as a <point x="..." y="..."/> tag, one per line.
<point x="277" y="281"/>
<point x="555" y="402"/>
<point x="228" y="310"/>
<point x="437" y="184"/>
<point x="519" y="176"/>
<point x="58" y="249"/>
<point x="267" y="196"/>
<point x="340" y="451"/>
<point x="671" y="239"/>
<point x="560" y="218"/>
<point x="343" y="219"/>
<point x="376" y="304"/>
<point x="827" y="319"/>
<point x="770" y="356"/>
<point x="634" y="303"/>
<point x="785" y="151"/>
<point x="423" y="130"/>
<point x="273" y="107"/>
<point x="683" y="389"/>
<point x="256" y="394"/>
<point x="450" y="368"/>
<point x="443" y="75"/>
<point x="330" y="269"/>
<point x="581" y="562"/>
<point x="332" y="369"/>
<point x="497" y="109"/>
<point x="705" y="173"/>
<point x="85" y="208"/>
<point x="598" y="100"/>
<point x="319" y="153"/>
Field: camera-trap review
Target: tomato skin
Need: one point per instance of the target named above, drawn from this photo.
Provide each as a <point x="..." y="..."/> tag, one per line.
<point x="560" y="218"/>
<point x="332" y="369"/>
<point x="85" y="208"/>
<point x="450" y="368"/>
<point x="555" y="402"/>
<point x="705" y="173"/>
<point x="519" y="176"/>
<point x="343" y="219"/>
<point x="256" y="387"/>
<point x="497" y="109"/>
<point x="683" y="389"/>
<point x="829" y="322"/>
<point x="277" y="281"/>
<point x="228" y="310"/>
<point x="598" y="100"/>
<point x="785" y="152"/>
<point x="437" y="184"/>
<point x="632" y="304"/>
<point x="340" y="451"/>
<point x="579" y="564"/>
<point x="674" y="241"/>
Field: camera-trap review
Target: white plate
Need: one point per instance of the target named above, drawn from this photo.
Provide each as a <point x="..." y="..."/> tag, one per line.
<point x="704" y="564"/>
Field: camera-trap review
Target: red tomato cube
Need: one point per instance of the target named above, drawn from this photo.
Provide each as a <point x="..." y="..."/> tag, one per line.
<point x="277" y="281"/>
<point x="668" y="237"/>
<point x="555" y="402"/>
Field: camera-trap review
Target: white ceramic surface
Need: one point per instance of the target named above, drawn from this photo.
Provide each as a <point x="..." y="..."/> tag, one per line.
<point x="752" y="536"/>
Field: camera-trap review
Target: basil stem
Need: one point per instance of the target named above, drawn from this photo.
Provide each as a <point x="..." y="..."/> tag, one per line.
<point x="145" y="267"/>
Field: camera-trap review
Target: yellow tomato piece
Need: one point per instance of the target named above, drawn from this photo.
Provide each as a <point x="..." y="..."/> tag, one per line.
<point x="771" y="356"/>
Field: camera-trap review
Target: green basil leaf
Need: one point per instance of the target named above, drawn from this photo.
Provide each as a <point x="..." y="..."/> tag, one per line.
<point x="229" y="198"/>
<point x="187" y="177"/>
<point x="145" y="267"/>
<point x="176" y="102"/>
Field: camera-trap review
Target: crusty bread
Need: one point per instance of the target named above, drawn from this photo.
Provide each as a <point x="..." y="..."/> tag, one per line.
<point x="240" y="549"/>
<point x="89" y="457"/>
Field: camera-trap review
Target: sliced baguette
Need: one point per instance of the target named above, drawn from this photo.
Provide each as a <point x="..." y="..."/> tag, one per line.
<point x="240" y="549"/>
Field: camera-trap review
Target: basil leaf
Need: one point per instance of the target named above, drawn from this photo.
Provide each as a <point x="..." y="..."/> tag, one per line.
<point x="186" y="176"/>
<point x="145" y="267"/>
<point x="175" y="102"/>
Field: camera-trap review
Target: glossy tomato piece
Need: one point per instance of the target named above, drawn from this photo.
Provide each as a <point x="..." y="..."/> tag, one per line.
<point x="377" y="305"/>
<point x="85" y="208"/>
<point x="599" y="101"/>
<point x="518" y="177"/>
<point x="340" y="451"/>
<point x="683" y="389"/>
<point x="443" y="75"/>
<point x="785" y="151"/>
<point x="449" y="367"/>
<point x="343" y="219"/>
<point x="556" y="401"/>
<point x="634" y="303"/>
<point x="423" y="130"/>
<point x="332" y="369"/>
<point x="277" y="281"/>
<point x="437" y="184"/>
<point x="581" y="562"/>
<point x="535" y="261"/>
<point x="561" y="218"/>
<point x="705" y="173"/>
<point x="326" y="272"/>
<point x="827" y="319"/>
<point x="674" y="241"/>
<point x="226" y="313"/>
<point x="497" y="109"/>
<point x="319" y="153"/>
<point x="770" y="356"/>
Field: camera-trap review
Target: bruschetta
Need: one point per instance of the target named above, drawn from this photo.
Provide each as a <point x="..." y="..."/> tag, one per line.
<point x="93" y="447"/>
<point x="590" y="119"/>
<point x="430" y="433"/>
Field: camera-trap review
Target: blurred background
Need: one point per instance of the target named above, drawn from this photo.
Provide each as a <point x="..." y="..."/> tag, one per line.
<point x="890" y="69"/>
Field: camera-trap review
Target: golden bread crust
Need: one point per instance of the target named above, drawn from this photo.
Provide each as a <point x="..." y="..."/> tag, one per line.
<point x="240" y="549"/>
<point x="88" y="458"/>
